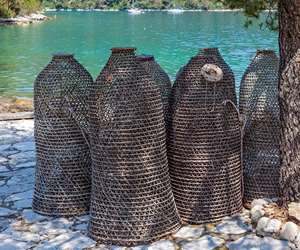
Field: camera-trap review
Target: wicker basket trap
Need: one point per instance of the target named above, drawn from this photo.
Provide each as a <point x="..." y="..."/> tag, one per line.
<point x="63" y="168"/>
<point x="259" y="104"/>
<point x="228" y="79"/>
<point x="132" y="201"/>
<point x="205" y="147"/>
<point x="228" y="76"/>
<point x="161" y="79"/>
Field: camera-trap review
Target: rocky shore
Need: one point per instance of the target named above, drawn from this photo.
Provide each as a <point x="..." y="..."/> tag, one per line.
<point x="14" y="105"/>
<point x="15" y="108"/>
<point x="23" y="20"/>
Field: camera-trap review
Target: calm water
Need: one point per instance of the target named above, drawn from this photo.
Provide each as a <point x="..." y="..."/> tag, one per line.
<point x="173" y="39"/>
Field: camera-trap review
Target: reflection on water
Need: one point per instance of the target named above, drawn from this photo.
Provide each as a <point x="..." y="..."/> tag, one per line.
<point x="173" y="39"/>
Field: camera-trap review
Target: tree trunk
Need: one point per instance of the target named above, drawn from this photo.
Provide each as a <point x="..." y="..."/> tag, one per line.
<point x="289" y="34"/>
<point x="289" y="98"/>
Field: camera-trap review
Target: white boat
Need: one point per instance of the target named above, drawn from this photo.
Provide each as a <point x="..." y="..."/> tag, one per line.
<point x="135" y="11"/>
<point x="50" y="10"/>
<point x="176" y="11"/>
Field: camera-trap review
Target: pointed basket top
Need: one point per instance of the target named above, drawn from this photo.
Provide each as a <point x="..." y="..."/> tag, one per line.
<point x="265" y="52"/>
<point x="62" y="55"/>
<point x="145" y="58"/>
<point x="126" y="50"/>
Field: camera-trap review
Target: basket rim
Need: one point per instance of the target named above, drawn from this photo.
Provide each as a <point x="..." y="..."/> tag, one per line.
<point x="122" y="49"/>
<point x="145" y="58"/>
<point x="265" y="51"/>
<point x="62" y="54"/>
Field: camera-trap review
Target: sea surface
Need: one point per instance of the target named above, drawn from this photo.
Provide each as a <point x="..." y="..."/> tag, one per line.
<point x="171" y="38"/>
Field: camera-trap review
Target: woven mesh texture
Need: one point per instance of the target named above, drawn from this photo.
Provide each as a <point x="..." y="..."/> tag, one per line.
<point x="259" y="104"/>
<point x="63" y="168"/>
<point x="204" y="148"/>
<point x="161" y="79"/>
<point x="228" y="80"/>
<point x="132" y="201"/>
<point x="228" y="77"/>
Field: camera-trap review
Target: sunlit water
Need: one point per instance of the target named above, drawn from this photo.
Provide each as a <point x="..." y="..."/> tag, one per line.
<point x="172" y="38"/>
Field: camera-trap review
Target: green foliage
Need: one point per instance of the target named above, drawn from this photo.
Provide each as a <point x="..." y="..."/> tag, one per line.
<point x="12" y="8"/>
<point x="6" y="13"/>
<point x="253" y="10"/>
<point x="123" y="4"/>
<point x="29" y="6"/>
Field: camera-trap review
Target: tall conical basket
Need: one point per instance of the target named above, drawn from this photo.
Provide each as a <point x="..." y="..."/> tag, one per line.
<point x="205" y="146"/>
<point x="63" y="168"/>
<point x="132" y="201"/>
<point x="259" y="105"/>
<point x="228" y="81"/>
<point x="160" y="77"/>
<point x="228" y="76"/>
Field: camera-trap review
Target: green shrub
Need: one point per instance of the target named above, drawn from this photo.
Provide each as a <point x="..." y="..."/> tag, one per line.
<point x="6" y="13"/>
<point x="123" y="4"/>
<point x="29" y="6"/>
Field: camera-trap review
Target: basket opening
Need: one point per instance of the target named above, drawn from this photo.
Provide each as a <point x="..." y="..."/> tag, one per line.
<point x="145" y="58"/>
<point x="61" y="55"/>
<point x="127" y="50"/>
<point x="265" y="51"/>
<point x="210" y="50"/>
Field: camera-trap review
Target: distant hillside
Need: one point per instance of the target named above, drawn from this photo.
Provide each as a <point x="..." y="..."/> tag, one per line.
<point x="123" y="4"/>
<point x="12" y="8"/>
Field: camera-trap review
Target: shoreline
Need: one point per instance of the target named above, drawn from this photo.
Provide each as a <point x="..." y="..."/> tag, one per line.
<point x="24" y="20"/>
<point x="39" y="17"/>
<point x="13" y="105"/>
<point x="143" y="10"/>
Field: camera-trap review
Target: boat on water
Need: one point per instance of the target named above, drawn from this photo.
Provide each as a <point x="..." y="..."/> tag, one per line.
<point x="176" y="11"/>
<point x="135" y="11"/>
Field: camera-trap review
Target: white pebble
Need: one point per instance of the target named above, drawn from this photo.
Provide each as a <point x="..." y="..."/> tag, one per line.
<point x="297" y="241"/>
<point x="273" y="226"/>
<point x="256" y="213"/>
<point x="262" y="224"/>
<point x="260" y="202"/>
<point x="289" y="231"/>
<point x="189" y="232"/>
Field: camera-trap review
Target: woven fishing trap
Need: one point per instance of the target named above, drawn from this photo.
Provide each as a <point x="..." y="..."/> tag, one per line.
<point x="228" y="76"/>
<point x="204" y="146"/>
<point x="228" y="79"/>
<point x="132" y="201"/>
<point x="259" y="104"/>
<point x="63" y="167"/>
<point x="160" y="77"/>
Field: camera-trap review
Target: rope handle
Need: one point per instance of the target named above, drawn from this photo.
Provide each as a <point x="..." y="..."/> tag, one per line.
<point x="242" y="124"/>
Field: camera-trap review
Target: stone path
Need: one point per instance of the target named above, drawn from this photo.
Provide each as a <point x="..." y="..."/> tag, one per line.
<point x="20" y="228"/>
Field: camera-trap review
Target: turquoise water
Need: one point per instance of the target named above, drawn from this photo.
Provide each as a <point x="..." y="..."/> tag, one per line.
<point x="173" y="39"/>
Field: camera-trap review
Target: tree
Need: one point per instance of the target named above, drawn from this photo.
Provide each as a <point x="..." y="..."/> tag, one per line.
<point x="289" y="84"/>
<point x="11" y="8"/>
<point x="289" y="98"/>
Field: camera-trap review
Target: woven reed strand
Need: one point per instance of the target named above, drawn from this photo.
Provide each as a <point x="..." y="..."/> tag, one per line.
<point x="132" y="201"/>
<point x="259" y="104"/>
<point x="63" y="168"/>
<point x="161" y="78"/>
<point x="204" y="149"/>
